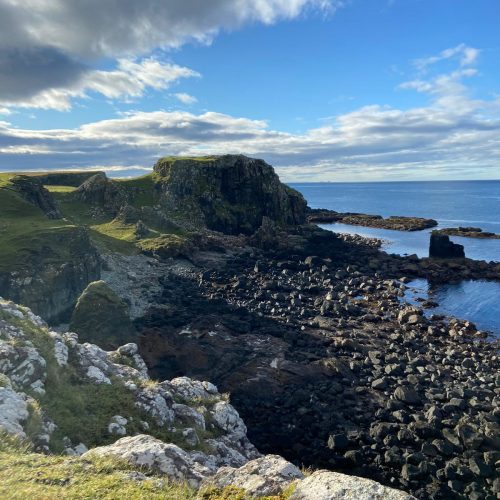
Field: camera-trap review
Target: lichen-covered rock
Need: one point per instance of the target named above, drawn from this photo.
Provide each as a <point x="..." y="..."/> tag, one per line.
<point x="264" y="476"/>
<point x="13" y="411"/>
<point x="147" y="452"/>
<point x="101" y="317"/>
<point x="230" y="193"/>
<point x="326" y="485"/>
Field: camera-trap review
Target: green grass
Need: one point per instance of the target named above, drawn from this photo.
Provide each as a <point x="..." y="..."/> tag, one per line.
<point x="143" y="188"/>
<point x="26" y="232"/>
<point x="60" y="189"/>
<point x="27" y="475"/>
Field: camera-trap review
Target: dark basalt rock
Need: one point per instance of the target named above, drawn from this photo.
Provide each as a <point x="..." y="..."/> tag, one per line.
<point x="442" y="248"/>
<point x="31" y="189"/>
<point x="230" y="193"/>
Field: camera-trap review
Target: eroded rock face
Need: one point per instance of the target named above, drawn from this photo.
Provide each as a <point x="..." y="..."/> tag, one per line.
<point x="442" y="248"/>
<point x="264" y="476"/>
<point x="101" y="317"/>
<point x="230" y="193"/>
<point x="48" y="284"/>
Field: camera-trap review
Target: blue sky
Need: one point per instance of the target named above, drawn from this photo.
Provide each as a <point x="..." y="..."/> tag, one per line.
<point x="323" y="90"/>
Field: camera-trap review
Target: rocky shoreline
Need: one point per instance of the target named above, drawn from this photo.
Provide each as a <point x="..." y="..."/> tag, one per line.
<point x="330" y="369"/>
<point x="396" y="223"/>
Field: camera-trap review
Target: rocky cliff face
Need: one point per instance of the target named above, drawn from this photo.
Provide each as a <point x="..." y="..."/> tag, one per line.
<point x="231" y="193"/>
<point x="49" y="282"/>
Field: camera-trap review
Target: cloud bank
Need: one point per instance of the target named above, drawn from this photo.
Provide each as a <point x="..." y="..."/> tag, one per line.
<point x="454" y="136"/>
<point x="49" y="49"/>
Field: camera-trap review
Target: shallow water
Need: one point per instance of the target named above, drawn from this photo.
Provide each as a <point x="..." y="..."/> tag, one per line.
<point x="476" y="301"/>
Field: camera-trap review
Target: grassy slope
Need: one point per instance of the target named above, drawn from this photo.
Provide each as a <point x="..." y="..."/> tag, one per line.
<point x="25" y="230"/>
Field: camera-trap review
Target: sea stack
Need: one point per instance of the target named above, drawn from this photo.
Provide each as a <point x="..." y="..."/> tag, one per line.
<point x="442" y="248"/>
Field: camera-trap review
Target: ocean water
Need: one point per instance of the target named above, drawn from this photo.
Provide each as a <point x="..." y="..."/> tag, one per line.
<point x="452" y="204"/>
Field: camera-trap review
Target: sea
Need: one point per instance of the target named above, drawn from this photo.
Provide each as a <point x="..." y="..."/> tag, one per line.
<point x="451" y="204"/>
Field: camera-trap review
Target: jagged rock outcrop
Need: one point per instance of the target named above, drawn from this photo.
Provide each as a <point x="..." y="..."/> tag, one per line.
<point x="102" y="193"/>
<point x="101" y="317"/>
<point x="230" y="193"/>
<point x="50" y="278"/>
<point x="32" y="190"/>
<point x="442" y="248"/>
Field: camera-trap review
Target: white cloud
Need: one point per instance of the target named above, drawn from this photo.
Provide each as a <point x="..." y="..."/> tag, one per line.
<point x="452" y="136"/>
<point x="49" y="49"/>
<point x="129" y="80"/>
<point x="185" y="98"/>
<point x="464" y="54"/>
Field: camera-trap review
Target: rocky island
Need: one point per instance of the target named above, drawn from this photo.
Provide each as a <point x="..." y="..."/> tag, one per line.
<point x="396" y="223"/>
<point x="192" y="334"/>
<point x="469" y="232"/>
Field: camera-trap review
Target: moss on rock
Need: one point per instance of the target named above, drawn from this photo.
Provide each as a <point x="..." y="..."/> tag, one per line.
<point x="102" y="318"/>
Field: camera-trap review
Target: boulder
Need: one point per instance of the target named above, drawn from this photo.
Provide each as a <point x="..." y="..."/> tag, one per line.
<point x="326" y="485"/>
<point x="101" y="317"/>
<point x="265" y="476"/>
<point x="229" y="193"/>
<point x="442" y="248"/>
<point x="152" y="454"/>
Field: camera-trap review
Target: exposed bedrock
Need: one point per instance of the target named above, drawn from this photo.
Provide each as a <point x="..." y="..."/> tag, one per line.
<point x="32" y="190"/>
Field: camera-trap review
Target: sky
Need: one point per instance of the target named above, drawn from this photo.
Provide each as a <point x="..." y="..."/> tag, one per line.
<point x="324" y="90"/>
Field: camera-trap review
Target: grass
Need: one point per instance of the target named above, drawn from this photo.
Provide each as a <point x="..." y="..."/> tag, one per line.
<point x="28" y="475"/>
<point x="24" y="475"/>
<point x="60" y="189"/>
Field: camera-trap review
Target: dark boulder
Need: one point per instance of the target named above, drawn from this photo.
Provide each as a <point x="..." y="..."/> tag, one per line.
<point x="442" y="248"/>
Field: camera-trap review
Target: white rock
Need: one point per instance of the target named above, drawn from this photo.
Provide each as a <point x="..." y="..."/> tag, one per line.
<point x="13" y="411"/>
<point x="166" y="458"/>
<point x="96" y="375"/>
<point x="80" y="449"/>
<point x="326" y="485"/>
<point x="228" y="419"/>
<point x="267" y="475"/>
